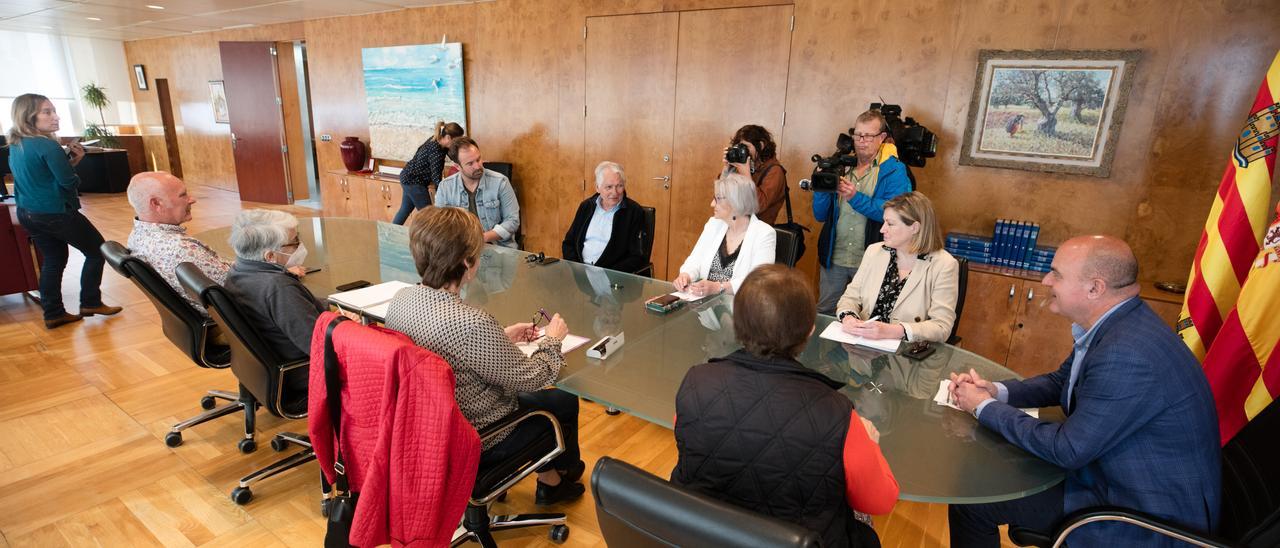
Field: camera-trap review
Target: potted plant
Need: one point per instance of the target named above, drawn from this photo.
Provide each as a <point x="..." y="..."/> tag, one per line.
<point x="96" y="97"/>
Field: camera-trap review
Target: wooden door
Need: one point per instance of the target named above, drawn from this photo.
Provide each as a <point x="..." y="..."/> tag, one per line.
<point x="1041" y="338"/>
<point x="732" y="71"/>
<point x="170" y="128"/>
<point x="989" y="313"/>
<point x="630" y="96"/>
<point x="257" y="127"/>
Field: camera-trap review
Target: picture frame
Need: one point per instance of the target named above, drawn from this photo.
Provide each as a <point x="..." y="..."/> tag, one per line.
<point x="140" y="75"/>
<point x="218" y="100"/>
<point x="1057" y="111"/>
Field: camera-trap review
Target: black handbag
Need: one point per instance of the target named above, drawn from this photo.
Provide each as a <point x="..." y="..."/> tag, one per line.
<point x="791" y="225"/>
<point x="342" y="505"/>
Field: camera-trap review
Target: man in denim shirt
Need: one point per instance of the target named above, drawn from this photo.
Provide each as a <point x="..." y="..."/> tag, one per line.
<point x="486" y="193"/>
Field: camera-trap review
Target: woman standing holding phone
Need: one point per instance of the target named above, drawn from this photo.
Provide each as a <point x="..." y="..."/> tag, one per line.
<point x="48" y="200"/>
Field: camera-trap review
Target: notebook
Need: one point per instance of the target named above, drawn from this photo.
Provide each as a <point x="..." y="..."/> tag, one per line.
<point x="372" y="301"/>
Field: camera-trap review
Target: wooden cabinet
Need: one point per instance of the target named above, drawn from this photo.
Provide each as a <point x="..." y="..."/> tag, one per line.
<point x="1007" y="320"/>
<point x="384" y="199"/>
<point x="343" y="195"/>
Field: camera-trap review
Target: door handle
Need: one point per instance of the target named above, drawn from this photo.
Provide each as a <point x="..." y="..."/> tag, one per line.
<point x="666" y="181"/>
<point x="233" y="140"/>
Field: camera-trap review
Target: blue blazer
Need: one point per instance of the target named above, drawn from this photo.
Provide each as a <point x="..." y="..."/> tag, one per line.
<point x="1141" y="429"/>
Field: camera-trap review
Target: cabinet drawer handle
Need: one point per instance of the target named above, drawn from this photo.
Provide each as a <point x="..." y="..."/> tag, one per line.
<point x="1031" y="293"/>
<point x="1011" y="292"/>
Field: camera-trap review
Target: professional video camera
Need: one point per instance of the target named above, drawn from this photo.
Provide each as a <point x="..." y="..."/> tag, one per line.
<point x="828" y="171"/>
<point x="915" y="142"/>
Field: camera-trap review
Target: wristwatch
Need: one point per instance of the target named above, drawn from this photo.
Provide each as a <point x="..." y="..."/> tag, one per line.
<point x="841" y="316"/>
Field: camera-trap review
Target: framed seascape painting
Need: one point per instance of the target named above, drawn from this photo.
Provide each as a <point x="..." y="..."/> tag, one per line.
<point x="408" y="89"/>
<point x="1048" y="110"/>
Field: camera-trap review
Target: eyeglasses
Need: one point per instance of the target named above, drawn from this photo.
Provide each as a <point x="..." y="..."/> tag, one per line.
<point x="293" y="244"/>
<point x="538" y="316"/>
<point x="866" y="136"/>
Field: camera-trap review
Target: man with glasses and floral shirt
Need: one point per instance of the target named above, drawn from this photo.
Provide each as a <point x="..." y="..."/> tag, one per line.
<point x="852" y="215"/>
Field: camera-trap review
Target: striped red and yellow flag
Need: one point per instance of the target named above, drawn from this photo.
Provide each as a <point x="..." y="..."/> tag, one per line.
<point x="1233" y="232"/>
<point x="1243" y="365"/>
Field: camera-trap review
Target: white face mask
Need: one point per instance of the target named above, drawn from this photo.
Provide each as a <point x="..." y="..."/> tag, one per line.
<point x="296" y="258"/>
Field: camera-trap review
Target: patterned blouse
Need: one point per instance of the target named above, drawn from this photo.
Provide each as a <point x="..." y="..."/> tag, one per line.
<point x="164" y="247"/>
<point x="890" y="288"/>
<point x="488" y="369"/>
<point x="722" y="263"/>
<point x="426" y="166"/>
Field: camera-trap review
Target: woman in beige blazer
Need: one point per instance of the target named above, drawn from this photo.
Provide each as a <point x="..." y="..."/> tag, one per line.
<point x="906" y="286"/>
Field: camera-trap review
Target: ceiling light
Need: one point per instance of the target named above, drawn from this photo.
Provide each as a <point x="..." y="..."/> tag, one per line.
<point x="94" y="18"/>
<point x="155" y="7"/>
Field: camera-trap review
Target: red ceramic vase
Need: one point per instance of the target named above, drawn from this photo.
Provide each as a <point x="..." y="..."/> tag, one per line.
<point x="353" y="153"/>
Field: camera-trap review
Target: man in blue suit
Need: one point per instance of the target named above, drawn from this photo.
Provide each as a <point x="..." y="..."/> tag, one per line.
<point x="1141" y="431"/>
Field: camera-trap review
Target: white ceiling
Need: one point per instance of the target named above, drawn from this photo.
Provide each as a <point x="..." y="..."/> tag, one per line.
<point x="135" y="20"/>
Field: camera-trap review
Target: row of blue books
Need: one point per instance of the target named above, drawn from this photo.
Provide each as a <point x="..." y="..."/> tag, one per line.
<point x="1013" y="245"/>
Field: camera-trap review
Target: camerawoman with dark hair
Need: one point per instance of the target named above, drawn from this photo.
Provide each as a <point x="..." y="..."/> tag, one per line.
<point x="761" y="165"/>
<point x="827" y="472"/>
<point x="853" y="214"/>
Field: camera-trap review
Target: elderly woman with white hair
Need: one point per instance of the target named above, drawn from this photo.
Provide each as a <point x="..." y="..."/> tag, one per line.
<point x="733" y="242"/>
<point x="265" y="282"/>
<point x="608" y="229"/>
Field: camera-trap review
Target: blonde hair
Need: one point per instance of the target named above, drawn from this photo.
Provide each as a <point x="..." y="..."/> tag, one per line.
<point x="915" y="207"/>
<point x="25" y="109"/>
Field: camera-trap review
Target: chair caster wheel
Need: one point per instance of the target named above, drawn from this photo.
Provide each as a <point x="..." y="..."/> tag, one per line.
<point x="558" y="534"/>
<point x="241" y="495"/>
<point x="173" y="439"/>
<point x="247" y="446"/>
<point x="611" y="411"/>
<point x="279" y="444"/>
<point x="208" y="402"/>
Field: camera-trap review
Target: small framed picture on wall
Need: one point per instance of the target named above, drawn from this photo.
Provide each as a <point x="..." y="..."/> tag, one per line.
<point x="140" y="74"/>
<point x="218" y="97"/>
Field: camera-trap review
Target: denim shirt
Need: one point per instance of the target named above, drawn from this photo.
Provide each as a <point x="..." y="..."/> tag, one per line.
<point x="496" y="203"/>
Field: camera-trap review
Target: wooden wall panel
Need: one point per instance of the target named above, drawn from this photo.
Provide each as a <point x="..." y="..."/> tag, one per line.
<point x="1202" y="63"/>
<point x="189" y="63"/>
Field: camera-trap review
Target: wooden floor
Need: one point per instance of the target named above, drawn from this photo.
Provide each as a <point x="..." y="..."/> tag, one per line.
<point x="83" y="410"/>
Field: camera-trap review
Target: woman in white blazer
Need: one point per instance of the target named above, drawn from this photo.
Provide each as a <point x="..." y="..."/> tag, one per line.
<point x="906" y="287"/>
<point x="732" y="243"/>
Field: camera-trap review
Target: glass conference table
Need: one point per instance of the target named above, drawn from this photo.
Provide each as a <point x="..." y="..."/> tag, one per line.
<point x="937" y="454"/>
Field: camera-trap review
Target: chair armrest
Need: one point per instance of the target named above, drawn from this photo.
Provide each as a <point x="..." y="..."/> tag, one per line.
<point x="1027" y="537"/>
<point x="522" y="472"/>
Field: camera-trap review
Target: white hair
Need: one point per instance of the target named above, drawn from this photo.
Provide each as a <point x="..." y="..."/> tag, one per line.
<point x="740" y="192"/>
<point x="604" y="167"/>
<point x="257" y="231"/>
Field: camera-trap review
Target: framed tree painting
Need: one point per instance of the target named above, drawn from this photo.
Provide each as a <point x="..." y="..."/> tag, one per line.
<point x="1048" y="110"/>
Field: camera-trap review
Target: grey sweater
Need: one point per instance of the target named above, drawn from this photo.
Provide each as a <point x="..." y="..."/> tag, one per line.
<point x="281" y="309"/>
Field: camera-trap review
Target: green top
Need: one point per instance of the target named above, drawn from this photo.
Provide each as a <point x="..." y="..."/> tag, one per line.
<point x="851" y="227"/>
<point x="937" y="454"/>
<point x="44" y="179"/>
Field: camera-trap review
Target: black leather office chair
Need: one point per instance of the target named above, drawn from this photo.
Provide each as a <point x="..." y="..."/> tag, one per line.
<point x="1250" y="515"/>
<point x="493" y="482"/>
<point x="960" y="291"/>
<point x="787" y="247"/>
<point x="186" y="328"/>
<point x="637" y="509"/>
<point x="646" y="239"/>
<point x="260" y="371"/>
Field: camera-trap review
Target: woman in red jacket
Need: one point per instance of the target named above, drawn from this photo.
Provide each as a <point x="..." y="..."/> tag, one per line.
<point x="758" y="429"/>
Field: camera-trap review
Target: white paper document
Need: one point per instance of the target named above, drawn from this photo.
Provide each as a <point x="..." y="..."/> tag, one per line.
<point x="943" y="397"/>
<point x="833" y="332"/>
<point x="570" y="343"/>
<point x="687" y="296"/>
<point x="372" y="301"/>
